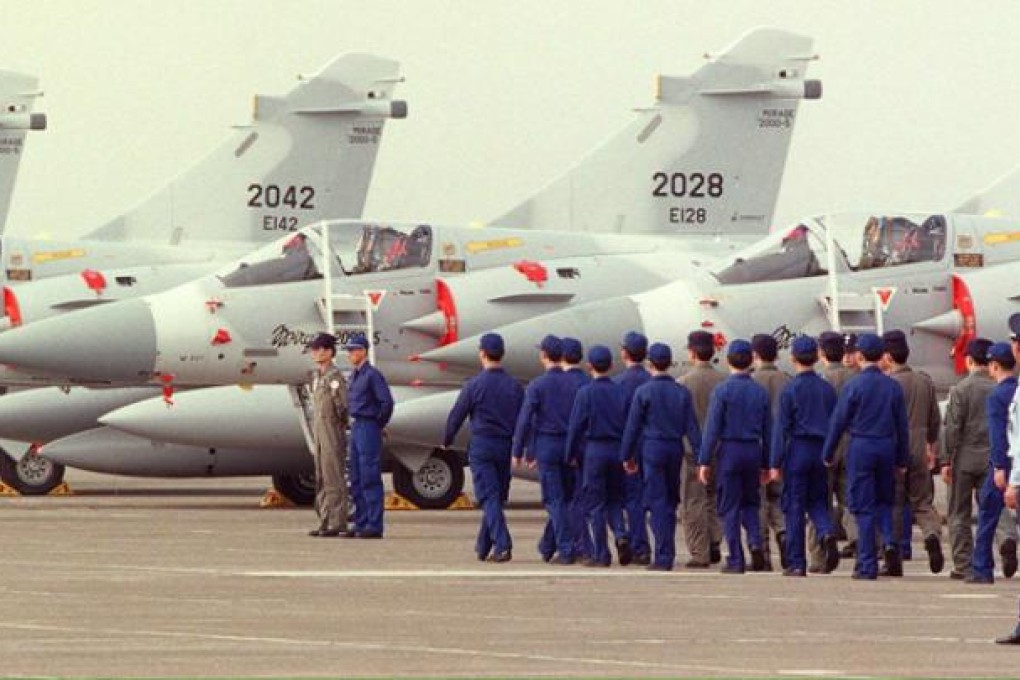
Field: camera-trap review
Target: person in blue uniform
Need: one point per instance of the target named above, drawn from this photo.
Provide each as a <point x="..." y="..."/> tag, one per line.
<point x="595" y="431"/>
<point x="1011" y="497"/>
<point x="736" y="442"/>
<point x="492" y="400"/>
<point x="801" y="423"/>
<point x="660" y="417"/>
<point x="1001" y="367"/>
<point x="371" y="405"/>
<point x="633" y="352"/>
<point x="542" y="430"/>
<point x="573" y="355"/>
<point x="873" y="409"/>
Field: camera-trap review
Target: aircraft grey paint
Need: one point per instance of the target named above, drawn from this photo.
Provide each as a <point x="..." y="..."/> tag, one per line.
<point x="669" y="157"/>
<point x="18" y="92"/>
<point x="305" y="155"/>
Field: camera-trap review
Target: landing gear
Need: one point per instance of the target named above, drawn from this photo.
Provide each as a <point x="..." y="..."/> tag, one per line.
<point x="32" y="475"/>
<point x="435" y="485"/>
<point x="298" y="488"/>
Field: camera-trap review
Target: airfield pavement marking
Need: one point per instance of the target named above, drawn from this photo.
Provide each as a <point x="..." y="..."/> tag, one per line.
<point x="388" y="647"/>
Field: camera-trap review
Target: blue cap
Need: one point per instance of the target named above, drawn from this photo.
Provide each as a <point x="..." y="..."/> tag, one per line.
<point x="552" y="346"/>
<point x="660" y="353"/>
<point x="1014" y="326"/>
<point x="739" y="347"/>
<point x="895" y="340"/>
<point x="635" y="343"/>
<point x="765" y="346"/>
<point x="323" y="341"/>
<point x="491" y="343"/>
<point x="600" y="357"/>
<point x="357" y="342"/>
<point x="869" y="343"/>
<point x="573" y="351"/>
<point x="1001" y="352"/>
<point x="700" y="340"/>
<point x="804" y="344"/>
<point x="850" y="342"/>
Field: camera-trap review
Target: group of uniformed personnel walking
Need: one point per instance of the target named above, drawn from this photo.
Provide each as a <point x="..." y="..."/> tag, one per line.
<point x="764" y="451"/>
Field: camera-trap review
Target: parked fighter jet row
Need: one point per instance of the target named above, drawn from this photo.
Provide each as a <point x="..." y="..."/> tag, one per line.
<point x="663" y="228"/>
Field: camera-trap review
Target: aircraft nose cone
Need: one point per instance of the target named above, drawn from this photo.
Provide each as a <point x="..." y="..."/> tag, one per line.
<point x="422" y="420"/>
<point x="110" y="343"/>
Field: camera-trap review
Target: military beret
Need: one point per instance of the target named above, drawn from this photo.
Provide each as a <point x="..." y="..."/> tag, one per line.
<point x="895" y="340"/>
<point x="660" y="353"/>
<point x="1001" y="352"/>
<point x="600" y="357"/>
<point x="552" y="346"/>
<point x="635" y="343"/>
<point x="870" y="343"/>
<point x="491" y="343"/>
<point x="573" y="351"/>
<point x="323" y="341"/>
<point x="764" y="345"/>
<point x="700" y="340"/>
<point x="977" y="349"/>
<point x="739" y="347"/>
<point x="357" y="342"/>
<point x="804" y="344"/>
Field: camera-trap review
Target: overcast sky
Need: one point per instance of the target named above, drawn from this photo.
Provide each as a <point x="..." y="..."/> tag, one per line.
<point x="920" y="107"/>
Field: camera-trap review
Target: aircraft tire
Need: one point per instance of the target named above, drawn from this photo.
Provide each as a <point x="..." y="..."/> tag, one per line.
<point x="32" y="475"/>
<point x="436" y="484"/>
<point x="299" y="488"/>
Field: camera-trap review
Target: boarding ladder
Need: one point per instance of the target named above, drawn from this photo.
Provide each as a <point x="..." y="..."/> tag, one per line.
<point x="849" y="311"/>
<point x="344" y="315"/>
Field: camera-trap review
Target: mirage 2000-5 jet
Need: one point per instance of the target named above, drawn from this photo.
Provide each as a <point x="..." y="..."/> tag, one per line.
<point x="690" y="178"/>
<point x="304" y="156"/>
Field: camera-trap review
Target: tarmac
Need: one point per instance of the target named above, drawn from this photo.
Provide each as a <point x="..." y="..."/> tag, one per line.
<point x="144" y="578"/>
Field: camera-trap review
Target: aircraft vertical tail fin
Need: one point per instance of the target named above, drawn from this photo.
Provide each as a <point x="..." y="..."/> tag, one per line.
<point x="1000" y="199"/>
<point x="306" y="156"/>
<point x="18" y="92"/>
<point x="706" y="158"/>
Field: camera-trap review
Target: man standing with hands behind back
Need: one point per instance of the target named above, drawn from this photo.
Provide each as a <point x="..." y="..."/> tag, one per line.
<point x="371" y="406"/>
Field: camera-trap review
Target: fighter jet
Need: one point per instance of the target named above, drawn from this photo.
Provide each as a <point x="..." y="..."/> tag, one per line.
<point x="18" y="92"/>
<point x="927" y="274"/>
<point x="428" y="285"/>
<point x="304" y="156"/>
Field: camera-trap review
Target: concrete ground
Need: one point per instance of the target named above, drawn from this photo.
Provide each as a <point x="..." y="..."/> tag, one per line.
<point x="165" y="578"/>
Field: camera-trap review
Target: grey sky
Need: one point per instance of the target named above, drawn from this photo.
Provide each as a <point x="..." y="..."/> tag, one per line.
<point x="919" y="107"/>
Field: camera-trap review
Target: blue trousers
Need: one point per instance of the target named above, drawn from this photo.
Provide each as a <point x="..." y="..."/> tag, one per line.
<point x="871" y="489"/>
<point x="634" y="505"/>
<point x="556" y="480"/>
<point x="366" y="476"/>
<point x="738" y="496"/>
<point x="602" y="492"/>
<point x="990" y="504"/>
<point x="660" y="467"/>
<point x="489" y="459"/>
<point x="578" y="510"/>
<point x="805" y="492"/>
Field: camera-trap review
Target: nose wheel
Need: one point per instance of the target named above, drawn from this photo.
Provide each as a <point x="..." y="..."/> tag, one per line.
<point x="32" y="474"/>
<point x="435" y="485"/>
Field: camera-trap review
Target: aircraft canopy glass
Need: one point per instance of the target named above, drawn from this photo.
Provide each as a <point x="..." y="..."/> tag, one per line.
<point x="295" y="258"/>
<point x="367" y="248"/>
<point x="862" y="242"/>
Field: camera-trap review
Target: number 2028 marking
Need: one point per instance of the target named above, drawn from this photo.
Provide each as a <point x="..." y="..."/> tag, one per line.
<point x="683" y="185"/>
<point x="273" y="196"/>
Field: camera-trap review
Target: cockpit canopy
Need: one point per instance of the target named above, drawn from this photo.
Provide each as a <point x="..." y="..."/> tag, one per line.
<point x="354" y="248"/>
<point x="860" y="242"/>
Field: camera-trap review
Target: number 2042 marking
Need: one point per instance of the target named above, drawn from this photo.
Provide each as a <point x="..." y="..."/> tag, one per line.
<point x="683" y="185"/>
<point x="273" y="196"/>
